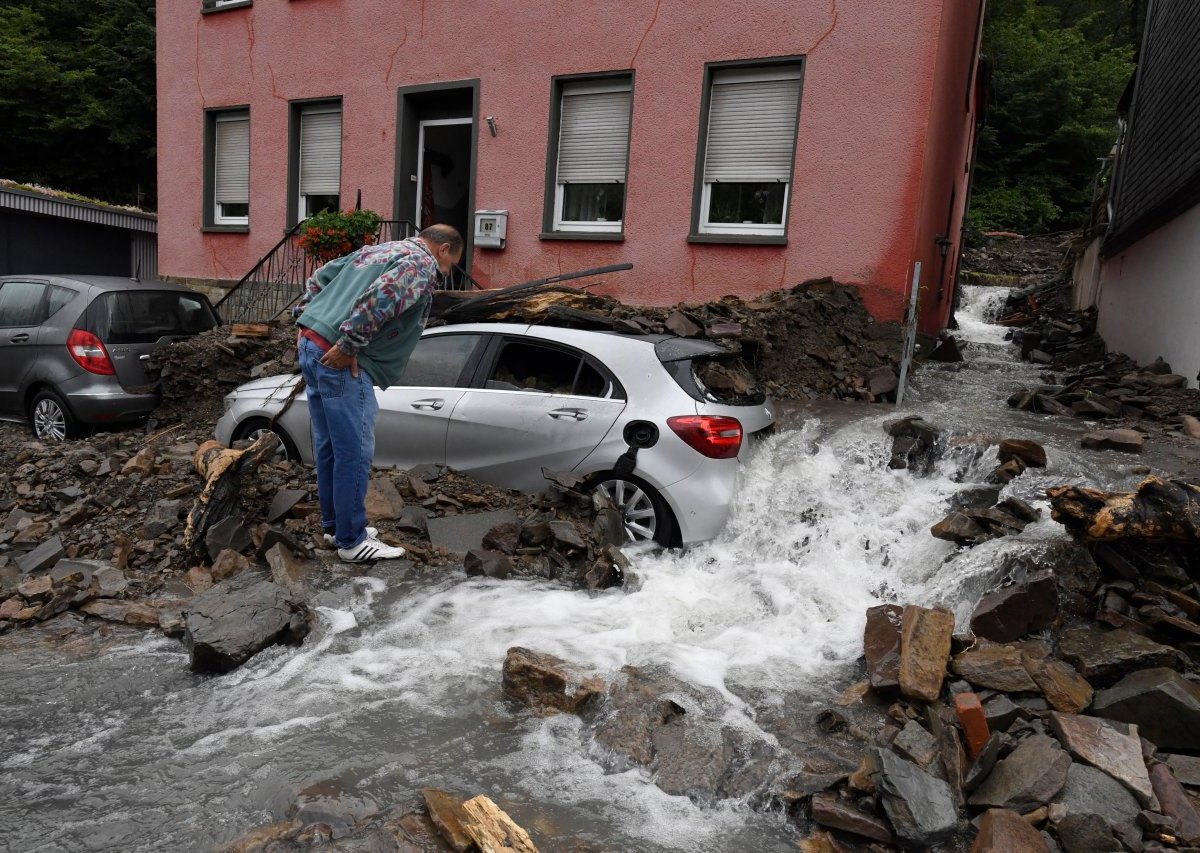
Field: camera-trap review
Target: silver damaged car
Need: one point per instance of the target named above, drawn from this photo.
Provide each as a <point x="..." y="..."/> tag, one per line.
<point x="500" y="402"/>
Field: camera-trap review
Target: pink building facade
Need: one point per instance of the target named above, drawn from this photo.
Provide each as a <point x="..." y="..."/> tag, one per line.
<point x="720" y="149"/>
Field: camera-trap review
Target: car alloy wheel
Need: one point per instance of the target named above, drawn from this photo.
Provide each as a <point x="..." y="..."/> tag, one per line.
<point x="49" y="420"/>
<point x="255" y="429"/>
<point x="636" y="507"/>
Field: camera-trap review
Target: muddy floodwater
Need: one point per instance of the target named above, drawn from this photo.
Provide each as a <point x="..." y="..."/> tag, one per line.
<point x="112" y="744"/>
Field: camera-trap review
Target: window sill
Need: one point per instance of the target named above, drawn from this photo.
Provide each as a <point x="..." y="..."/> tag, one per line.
<point x="207" y="9"/>
<point x="592" y="236"/>
<point x="740" y="239"/>
<point x="225" y="229"/>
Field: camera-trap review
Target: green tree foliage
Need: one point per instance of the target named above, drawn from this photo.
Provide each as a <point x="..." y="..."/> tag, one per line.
<point x="77" y="96"/>
<point x="1059" y="67"/>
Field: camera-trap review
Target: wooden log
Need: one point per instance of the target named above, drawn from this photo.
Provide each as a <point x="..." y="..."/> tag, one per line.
<point x="222" y="469"/>
<point x="492" y="830"/>
<point x="1159" y="511"/>
<point x="250" y="330"/>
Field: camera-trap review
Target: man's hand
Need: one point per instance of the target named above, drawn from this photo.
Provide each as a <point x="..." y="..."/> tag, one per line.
<point x="338" y="360"/>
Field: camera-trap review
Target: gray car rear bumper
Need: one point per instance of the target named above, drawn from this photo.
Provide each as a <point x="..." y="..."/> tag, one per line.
<point x="100" y="399"/>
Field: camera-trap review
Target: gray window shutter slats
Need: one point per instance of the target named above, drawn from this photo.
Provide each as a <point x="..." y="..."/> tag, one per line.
<point x="593" y="143"/>
<point x="232" y="164"/>
<point x="321" y="152"/>
<point x="751" y="131"/>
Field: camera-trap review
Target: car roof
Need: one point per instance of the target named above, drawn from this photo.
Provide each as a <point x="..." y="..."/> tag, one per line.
<point x="103" y="282"/>
<point x="667" y="347"/>
<point x="543" y="330"/>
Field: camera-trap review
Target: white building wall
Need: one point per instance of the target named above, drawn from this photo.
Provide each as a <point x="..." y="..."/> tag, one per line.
<point x="1150" y="297"/>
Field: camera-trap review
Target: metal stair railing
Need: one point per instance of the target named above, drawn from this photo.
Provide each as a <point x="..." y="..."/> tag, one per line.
<point x="278" y="279"/>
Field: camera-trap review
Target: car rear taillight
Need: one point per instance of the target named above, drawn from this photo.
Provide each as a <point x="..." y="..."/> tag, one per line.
<point x="89" y="353"/>
<point x="716" y="438"/>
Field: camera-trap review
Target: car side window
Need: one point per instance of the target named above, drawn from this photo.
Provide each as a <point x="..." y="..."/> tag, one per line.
<point x="438" y="360"/>
<point x="22" y="303"/>
<point x="524" y="366"/>
<point x="57" y="298"/>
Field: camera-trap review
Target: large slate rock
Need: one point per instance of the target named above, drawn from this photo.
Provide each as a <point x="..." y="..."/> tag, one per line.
<point x="1064" y="688"/>
<point x="547" y="683"/>
<point x="881" y="643"/>
<point x="1014" y="611"/>
<point x="1004" y="831"/>
<point x="1029" y="452"/>
<point x="1093" y="792"/>
<point x="831" y="811"/>
<point x="925" y="636"/>
<point x="1106" y="747"/>
<point x="1085" y="834"/>
<point x="1029" y="778"/>
<point x="1174" y="803"/>
<point x="236" y="619"/>
<point x="1103" y="657"/>
<point x="995" y="667"/>
<point x="919" y="805"/>
<point x="654" y="718"/>
<point x="43" y="557"/>
<point x="459" y="534"/>
<point x="1164" y="706"/>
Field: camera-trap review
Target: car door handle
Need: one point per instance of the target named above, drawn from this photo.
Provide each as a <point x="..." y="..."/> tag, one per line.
<point x="573" y="414"/>
<point x="430" y="404"/>
<point x="19" y="339"/>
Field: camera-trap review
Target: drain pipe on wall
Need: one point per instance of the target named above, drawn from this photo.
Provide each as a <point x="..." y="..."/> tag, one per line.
<point x="910" y="334"/>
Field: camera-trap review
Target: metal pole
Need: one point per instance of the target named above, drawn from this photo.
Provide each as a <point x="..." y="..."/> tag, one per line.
<point x="910" y="334"/>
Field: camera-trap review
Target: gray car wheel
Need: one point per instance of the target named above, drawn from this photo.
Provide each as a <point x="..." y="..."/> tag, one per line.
<point x="50" y="419"/>
<point x="646" y="516"/>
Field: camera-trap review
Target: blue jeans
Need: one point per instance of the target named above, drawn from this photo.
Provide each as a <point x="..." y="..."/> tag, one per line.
<point x="343" y="411"/>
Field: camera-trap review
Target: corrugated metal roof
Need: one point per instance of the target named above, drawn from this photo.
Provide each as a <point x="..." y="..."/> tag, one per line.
<point x="64" y="208"/>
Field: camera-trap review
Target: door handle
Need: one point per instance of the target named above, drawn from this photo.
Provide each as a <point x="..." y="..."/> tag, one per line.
<point x="428" y="405"/>
<point x="19" y="339"/>
<point x="573" y="414"/>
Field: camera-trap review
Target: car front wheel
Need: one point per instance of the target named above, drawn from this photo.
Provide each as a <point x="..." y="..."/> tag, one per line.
<point x="647" y="516"/>
<point x="253" y="430"/>
<point x="51" y="420"/>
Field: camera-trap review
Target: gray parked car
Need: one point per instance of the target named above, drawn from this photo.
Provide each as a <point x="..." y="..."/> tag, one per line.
<point x="500" y="402"/>
<point x="74" y="349"/>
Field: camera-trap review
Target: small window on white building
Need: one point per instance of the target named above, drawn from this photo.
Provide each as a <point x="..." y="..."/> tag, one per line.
<point x="320" y="163"/>
<point x="231" y="168"/>
<point x="749" y="151"/>
<point x="593" y="151"/>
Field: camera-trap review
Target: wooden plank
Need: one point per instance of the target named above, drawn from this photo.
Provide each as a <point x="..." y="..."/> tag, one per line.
<point x="493" y="830"/>
<point x="251" y="330"/>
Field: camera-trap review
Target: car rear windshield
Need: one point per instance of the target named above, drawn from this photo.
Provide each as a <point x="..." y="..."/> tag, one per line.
<point x="708" y="372"/>
<point x="146" y="316"/>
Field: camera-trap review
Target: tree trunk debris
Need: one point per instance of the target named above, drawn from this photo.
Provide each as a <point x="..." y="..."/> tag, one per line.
<point x="493" y="830"/>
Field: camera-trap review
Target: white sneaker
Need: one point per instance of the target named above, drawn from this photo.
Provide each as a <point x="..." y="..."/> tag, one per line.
<point x="369" y="550"/>
<point x="372" y="532"/>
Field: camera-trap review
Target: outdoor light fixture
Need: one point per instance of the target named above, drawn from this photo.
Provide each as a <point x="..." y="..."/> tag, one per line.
<point x="491" y="121"/>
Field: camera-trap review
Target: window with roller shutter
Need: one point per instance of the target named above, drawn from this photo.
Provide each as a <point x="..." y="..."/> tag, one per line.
<point x="590" y="125"/>
<point x="747" y="150"/>
<point x="319" y="166"/>
<point x="227" y="168"/>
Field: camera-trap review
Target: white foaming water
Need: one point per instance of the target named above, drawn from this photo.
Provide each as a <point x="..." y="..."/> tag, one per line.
<point x="977" y="313"/>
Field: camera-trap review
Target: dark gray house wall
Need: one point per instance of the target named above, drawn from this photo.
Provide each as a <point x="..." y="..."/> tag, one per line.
<point x="1158" y="168"/>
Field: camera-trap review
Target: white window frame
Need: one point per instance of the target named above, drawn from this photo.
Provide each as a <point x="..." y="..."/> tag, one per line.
<point x="218" y="217"/>
<point x="623" y="83"/>
<point x="314" y="109"/>
<point x="789" y="71"/>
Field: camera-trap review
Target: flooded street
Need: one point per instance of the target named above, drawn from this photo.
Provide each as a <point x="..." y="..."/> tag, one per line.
<point x="399" y="686"/>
